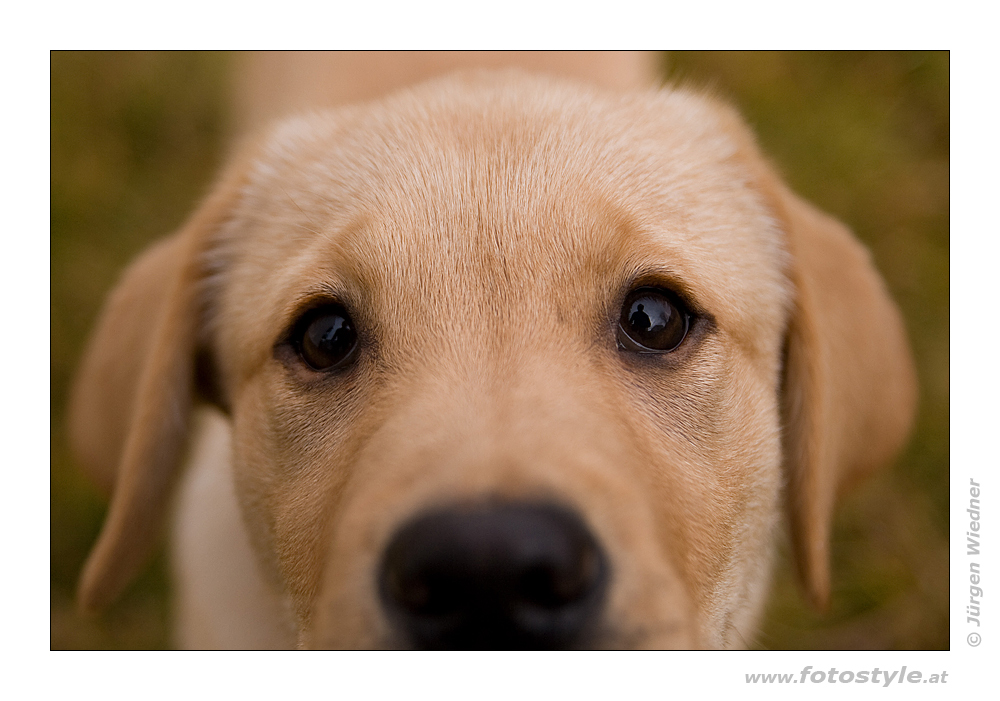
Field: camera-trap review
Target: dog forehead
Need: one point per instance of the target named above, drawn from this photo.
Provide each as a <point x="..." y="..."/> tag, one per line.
<point x="512" y="185"/>
<point x="431" y="149"/>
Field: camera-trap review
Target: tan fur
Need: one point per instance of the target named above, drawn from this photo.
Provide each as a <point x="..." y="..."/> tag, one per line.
<point x="483" y="230"/>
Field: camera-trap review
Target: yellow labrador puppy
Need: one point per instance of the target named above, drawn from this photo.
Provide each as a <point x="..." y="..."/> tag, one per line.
<point x="500" y="360"/>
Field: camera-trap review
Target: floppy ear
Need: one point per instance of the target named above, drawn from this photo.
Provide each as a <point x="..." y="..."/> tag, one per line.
<point x="850" y="388"/>
<point x="131" y="402"/>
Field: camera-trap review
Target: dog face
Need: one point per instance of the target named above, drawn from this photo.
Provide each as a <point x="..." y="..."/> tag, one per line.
<point x="592" y="331"/>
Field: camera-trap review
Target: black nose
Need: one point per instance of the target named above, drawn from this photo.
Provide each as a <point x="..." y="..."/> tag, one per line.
<point x="494" y="576"/>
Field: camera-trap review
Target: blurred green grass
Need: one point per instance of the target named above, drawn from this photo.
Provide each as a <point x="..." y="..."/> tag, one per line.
<point x="137" y="137"/>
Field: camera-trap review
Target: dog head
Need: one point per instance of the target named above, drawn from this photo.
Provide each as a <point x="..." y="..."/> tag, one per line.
<point x="507" y="362"/>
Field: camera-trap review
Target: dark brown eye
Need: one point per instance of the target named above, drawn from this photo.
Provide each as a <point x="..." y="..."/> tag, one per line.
<point x="325" y="338"/>
<point x="653" y="320"/>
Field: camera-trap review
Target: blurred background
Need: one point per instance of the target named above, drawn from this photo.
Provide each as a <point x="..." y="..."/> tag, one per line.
<point x="137" y="137"/>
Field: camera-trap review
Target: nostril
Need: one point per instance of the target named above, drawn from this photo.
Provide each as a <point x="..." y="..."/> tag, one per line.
<point x="419" y="586"/>
<point x="541" y="585"/>
<point x="493" y="576"/>
<point x="552" y="585"/>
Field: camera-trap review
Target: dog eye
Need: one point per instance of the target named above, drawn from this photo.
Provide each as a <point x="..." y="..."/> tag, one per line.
<point x="326" y="338"/>
<point x="653" y="320"/>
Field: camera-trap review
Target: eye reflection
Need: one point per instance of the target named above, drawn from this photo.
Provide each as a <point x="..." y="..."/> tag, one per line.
<point x="326" y="338"/>
<point x="653" y="320"/>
